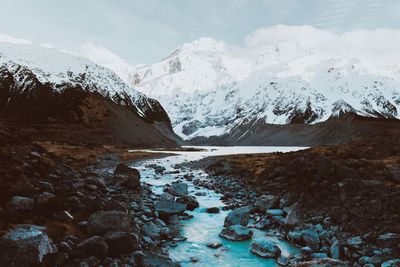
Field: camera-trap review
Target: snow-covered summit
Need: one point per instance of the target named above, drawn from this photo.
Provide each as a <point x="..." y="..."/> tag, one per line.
<point x="208" y="87"/>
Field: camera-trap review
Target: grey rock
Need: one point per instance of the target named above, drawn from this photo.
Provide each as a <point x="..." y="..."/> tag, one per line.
<point x="103" y="222"/>
<point x="238" y="216"/>
<point x="354" y="242"/>
<point x="25" y="246"/>
<point x="150" y="259"/>
<point x="126" y="177"/>
<point x="44" y="198"/>
<point x="19" y="203"/>
<point x="236" y="233"/>
<point x="388" y="239"/>
<point x="335" y="250"/>
<point x="319" y="255"/>
<point x="190" y="201"/>
<point x="293" y="217"/>
<point x="166" y="205"/>
<point x="265" y="248"/>
<point x="178" y="189"/>
<point x="282" y="260"/>
<point x="274" y="212"/>
<point x="94" y="246"/>
<point x="391" y="263"/>
<point x="214" y="245"/>
<point x="266" y="202"/>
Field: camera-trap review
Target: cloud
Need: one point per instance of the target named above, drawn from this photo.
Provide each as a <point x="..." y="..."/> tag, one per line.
<point x="380" y="45"/>
<point x="106" y="58"/>
<point x="9" y="39"/>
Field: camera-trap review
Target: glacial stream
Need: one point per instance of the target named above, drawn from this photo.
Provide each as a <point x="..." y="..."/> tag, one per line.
<point x="204" y="227"/>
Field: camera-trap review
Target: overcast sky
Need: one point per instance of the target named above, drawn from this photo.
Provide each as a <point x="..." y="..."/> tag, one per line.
<point x="145" y="31"/>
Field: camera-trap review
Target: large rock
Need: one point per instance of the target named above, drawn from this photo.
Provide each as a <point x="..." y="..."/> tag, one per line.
<point x="388" y="240"/>
<point x="293" y="217"/>
<point x="106" y="221"/>
<point x="265" y="248"/>
<point x="19" y="203"/>
<point x="126" y="177"/>
<point x="166" y="205"/>
<point x="236" y="233"/>
<point x="190" y="201"/>
<point x="178" y="189"/>
<point x="94" y="246"/>
<point x="151" y="259"/>
<point x="266" y="202"/>
<point x="311" y="239"/>
<point x="25" y="246"/>
<point x="391" y="263"/>
<point x="238" y="216"/>
<point x="121" y="242"/>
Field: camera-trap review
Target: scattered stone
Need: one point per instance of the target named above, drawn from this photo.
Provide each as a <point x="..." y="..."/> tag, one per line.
<point x="266" y="202"/>
<point x="94" y="246"/>
<point x="236" y="233"/>
<point x="177" y="189"/>
<point x="293" y="217"/>
<point x="311" y="239"/>
<point x="26" y="245"/>
<point x="265" y="248"/>
<point x="166" y="205"/>
<point x="19" y="203"/>
<point x="103" y="222"/>
<point x="238" y="216"/>
<point x="388" y="239"/>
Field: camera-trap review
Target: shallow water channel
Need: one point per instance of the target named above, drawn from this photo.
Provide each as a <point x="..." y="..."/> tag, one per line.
<point x="204" y="227"/>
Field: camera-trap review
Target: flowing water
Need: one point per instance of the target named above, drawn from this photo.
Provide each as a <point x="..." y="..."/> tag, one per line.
<point x="204" y="227"/>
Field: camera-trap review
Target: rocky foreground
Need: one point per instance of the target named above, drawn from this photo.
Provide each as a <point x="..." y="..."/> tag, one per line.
<point x="339" y="204"/>
<point x="64" y="205"/>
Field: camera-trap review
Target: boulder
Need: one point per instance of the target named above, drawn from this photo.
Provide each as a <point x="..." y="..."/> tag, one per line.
<point x="18" y="203"/>
<point x="213" y="210"/>
<point x="311" y="239"/>
<point x="274" y="212"/>
<point x="354" y="242"/>
<point x="265" y="248"/>
<point x="106" y="221"/>
<point x="25" y="246"/>
<point x="388" y="239"/>
<point x="177" y="189"/>
<point x="126" y="177"/>
<point x="166" y="205"/>
<point x="44" y="198"/>
<point x="238" y="216"/>
<point x="121" y="243"/>
<point x="266" y="202"/>
<point x="391" y="263"/>
<point x="236" y="233"/>
<point x="335" y="250"/>
<point x="94" y="246"/>
<point x="152" y="230"/>
<point x="293" y="217"/>
<point x="190" y="201"/>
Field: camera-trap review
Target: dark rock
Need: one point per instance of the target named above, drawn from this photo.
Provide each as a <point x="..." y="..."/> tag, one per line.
<point x="60" y="258"/>
<point x="335" y="250"/>
<point x="44" y="198"/>
<point x="391" y="263"/>
<point x="26" y="245"/>
<point x="94" y="246"/>
<point x="354" y="242"/>
<point x="311" y="239"/>
<point x="388" y="240"/>
<point x="265" y="248"/>
<point x="19" y="203"/>
<point x="282" y="260"/>
<point x="103" y="222"/>
<point x="214" y="245"/>
<point x="150" y="259"/>
<point x="126" y="177"/>
<point x="177" y="189"/>
<point x="293" y="217"/>
<point x="190" y="201"/>
<point x="213" y="210"/>
<point x="274" y="212"/>
<point x="63" y="216"/>
<point x="166" y="205"/>
<point x="266" y="202"/>
<point x="236" y="233"/>
<point x="238" y="216"/>
<point x="121" y="242"/>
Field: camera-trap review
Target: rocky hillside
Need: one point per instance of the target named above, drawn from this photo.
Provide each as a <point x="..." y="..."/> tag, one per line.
<point x="211" y="89"/>
<point x="69" y="98"/>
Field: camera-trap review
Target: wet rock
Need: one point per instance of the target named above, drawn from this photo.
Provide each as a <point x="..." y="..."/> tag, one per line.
<point x="262" y="224"/>
<point x="335" y="250"/>
<point x="126" y="177"/>
<point x="391" y="263"/>
<point x="282" y="260"/>
<point x="103" y="222"/>
<point x="190" y="201"/>
<point x="166" y="205"/>
<point x="94" y="246"/>
<point x="214" y="245"/>
<point x="266" y="202"/>
<point x="388" y="239"/>
<point x="238" y="216"/>
<point x="265" y="248"/>
<point x="152" y="230"/>
<point x="311" y="239"/>
<point x="121" y="242"/>
<point x="306" y="252"/>
<point x="319" y="255"/>
<point x="354" y="242"/>
<point x="177" y="189"/>
<point x="274" y="212"/>
<point x="19" y="203"/>
<point x="150" y="259"/>
<point x="26" y="245"/>
<point x="213" y="210"/>
<point x="324" y="262"/>
<point x="46" y="186"/>
<point x="44" y="198"/>
<point x="236" y="233"/>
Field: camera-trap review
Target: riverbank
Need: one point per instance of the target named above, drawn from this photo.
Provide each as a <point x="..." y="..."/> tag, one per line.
<point x="338" y="202"/>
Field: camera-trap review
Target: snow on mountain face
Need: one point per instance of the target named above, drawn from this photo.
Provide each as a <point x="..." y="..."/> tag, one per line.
<point x="208" y="87"/>
<point x="27" y="62"/>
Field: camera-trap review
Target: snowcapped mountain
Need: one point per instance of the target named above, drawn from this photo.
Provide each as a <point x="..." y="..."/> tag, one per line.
<point x="42" y="82"/>
<point x="210" y="88"/>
